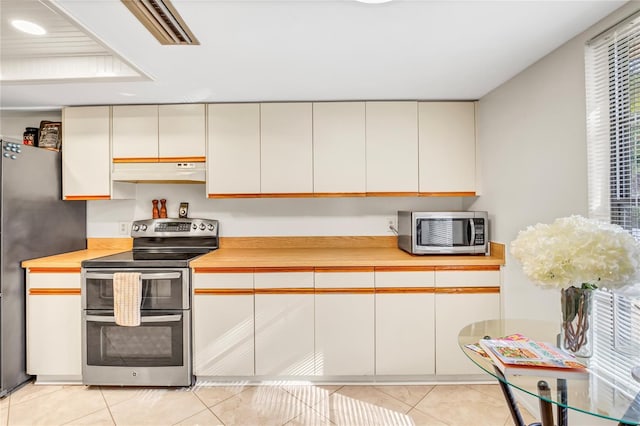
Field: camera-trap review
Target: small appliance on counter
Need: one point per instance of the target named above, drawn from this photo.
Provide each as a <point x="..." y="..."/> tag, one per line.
<point x="443" y="232"/>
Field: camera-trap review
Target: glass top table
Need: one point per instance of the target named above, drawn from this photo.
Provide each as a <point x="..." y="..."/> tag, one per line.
<point x="599" y="394"/>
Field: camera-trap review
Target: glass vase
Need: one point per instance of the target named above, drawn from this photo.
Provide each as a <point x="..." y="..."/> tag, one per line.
<point x="576" y="334"/>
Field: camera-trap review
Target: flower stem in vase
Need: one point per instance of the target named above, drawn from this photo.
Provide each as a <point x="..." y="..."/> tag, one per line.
<point x="576" y="333"/>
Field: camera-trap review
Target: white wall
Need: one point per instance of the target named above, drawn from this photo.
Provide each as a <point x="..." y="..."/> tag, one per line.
<point x="262" y="217"/>
<point x="532" y="153"/>
<point x="13" y="123"/>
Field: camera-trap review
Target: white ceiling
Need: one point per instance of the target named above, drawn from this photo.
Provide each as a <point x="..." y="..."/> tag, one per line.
<point x="283" y="50"/>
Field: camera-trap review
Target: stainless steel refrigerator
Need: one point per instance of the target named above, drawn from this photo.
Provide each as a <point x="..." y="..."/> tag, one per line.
<point x="35" y="222"/>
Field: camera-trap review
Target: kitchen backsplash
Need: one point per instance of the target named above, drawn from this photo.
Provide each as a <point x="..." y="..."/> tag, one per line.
<point x="264" y="216"/>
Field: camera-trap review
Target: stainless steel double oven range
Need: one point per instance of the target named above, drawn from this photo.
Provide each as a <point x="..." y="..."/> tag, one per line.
<point x="158" y="351"/>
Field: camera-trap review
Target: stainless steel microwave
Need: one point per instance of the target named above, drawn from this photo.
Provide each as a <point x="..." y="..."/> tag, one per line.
<point x="443" y="232"/>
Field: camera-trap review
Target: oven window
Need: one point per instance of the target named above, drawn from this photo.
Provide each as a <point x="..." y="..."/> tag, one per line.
<point x="157" y="342"/>
<point x="157" y="293"/>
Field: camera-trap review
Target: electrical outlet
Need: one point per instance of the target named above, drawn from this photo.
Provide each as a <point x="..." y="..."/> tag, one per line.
<point x="124" y="228"/>
<point x="391" y="224"/>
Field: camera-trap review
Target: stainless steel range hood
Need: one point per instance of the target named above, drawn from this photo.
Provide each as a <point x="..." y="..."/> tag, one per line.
<point x="158" y="172"/>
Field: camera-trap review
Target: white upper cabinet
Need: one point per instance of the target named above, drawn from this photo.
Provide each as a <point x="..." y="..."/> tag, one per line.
<point x="134" y="132"/>
<point x="86" y="156"/>
<point x="233" y="150"/>
<point x="339" y="164"/>
<point x="181" y="132"/>
<point x="159" y="133"/>
<point x="447" y="146"/>
<point x="392" y="147"/>
<point x="286" y="148"/>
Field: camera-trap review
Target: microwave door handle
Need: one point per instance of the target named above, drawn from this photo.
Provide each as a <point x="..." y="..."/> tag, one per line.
<point x="472" y="232"/>
<point x="150" y="276"/>
<point x="158" y="318"/>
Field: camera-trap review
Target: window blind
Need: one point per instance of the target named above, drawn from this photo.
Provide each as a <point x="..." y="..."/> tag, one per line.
<point x="612" y="66"/>
<point x="613" y="125"/>
<point x="616" y="350"/>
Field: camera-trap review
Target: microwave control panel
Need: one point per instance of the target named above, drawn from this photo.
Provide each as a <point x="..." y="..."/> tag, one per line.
<point x="478" y="225"/>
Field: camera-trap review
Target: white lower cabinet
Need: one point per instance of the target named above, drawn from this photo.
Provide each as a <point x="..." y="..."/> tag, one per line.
<point x="344" y="323"/>
<point x="339" y="322"/>
<point x="476" y="298"/>
<point x="284" y="306"/>
<point x="223" y="324"/>
<point x="405" y="323"/>
<point x="54" y="342"/>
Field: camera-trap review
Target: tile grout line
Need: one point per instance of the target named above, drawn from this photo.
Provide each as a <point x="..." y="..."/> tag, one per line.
<point x="108" y="406"/>
<point x="309" y="406"/>
<point x="208" y="408"/>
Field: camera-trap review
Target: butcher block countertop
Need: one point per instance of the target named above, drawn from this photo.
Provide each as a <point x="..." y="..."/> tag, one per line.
<point x="284" y="252"/>
<point x="329" y="252"/>
<point x="70" y="262"/>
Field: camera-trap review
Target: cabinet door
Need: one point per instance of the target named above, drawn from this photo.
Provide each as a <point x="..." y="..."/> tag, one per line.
<point x="181" y="132"/>
<point x="405" y="323"/>
<point x="392" y="147"/>
<point x="344" y="324"/>
<point x="54" y="325"/>
<point x="284" y="324"/>
<point x="134" y="132"/>
<point x="86" y="159"/>
<point x="339" y="147"/>
<point x="233" y="154"/>
<point x="447" y="135"/>
<point x="223" y="325"/>
<point x="476" y="298"/>
<point x="453" y="312"/>
<point x="286" y="164"/>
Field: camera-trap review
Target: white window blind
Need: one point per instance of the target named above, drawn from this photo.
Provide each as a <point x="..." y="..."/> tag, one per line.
<point x="613" y="125"/>
<point x="616" y="350"/>
<point x="612" y="62"/>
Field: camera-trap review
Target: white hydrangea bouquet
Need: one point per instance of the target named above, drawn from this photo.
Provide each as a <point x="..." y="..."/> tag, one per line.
<point x="577" y="251"/>
<point x="577" y="255"/>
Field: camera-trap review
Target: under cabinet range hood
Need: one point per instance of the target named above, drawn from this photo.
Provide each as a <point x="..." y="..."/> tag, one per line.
<point x="158" y="172"/>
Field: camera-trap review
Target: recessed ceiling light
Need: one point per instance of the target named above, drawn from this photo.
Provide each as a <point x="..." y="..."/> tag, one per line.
<point x="28" y="27"/>
<point x="374" y="1"/>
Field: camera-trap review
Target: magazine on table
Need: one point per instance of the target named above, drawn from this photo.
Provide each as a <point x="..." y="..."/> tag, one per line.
<point x="530" y="357"/>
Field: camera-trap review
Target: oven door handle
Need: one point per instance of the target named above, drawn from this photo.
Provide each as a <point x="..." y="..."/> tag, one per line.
<point x="158" y="318"/>
<point x="144" y="276"/>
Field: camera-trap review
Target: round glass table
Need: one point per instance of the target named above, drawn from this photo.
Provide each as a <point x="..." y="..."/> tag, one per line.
<point x="598" y="394"/>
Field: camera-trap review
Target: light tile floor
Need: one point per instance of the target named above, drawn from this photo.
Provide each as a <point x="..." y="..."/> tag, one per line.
<point x="280" y="404"/>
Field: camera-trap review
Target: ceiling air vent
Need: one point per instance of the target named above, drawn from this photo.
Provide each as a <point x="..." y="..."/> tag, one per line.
<point x="162" y="20"/>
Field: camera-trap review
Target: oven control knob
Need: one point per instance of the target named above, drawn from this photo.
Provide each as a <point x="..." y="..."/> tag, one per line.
<point x="202" y="227"/>
<point x="143" y="227"/>
<point x="195" y="226"/>
<point x="136" y="227"/>
<point x="211" y="227"/>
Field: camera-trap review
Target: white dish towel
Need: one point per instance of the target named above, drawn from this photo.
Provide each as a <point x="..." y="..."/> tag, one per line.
<point x="127" y="298"/>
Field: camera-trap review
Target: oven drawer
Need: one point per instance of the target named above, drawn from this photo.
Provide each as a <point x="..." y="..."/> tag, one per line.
<point x="161" y="289"/>
<point x="161" y="340"/>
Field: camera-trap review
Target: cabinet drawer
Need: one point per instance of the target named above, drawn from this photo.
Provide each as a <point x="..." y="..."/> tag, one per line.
<point x="344" y="279"/>
<point x="283" y="279"/>
<point x="467" y="278"/>
<point x="62" y="280"/>
<point x="223" y="280"/>
<point x="405" y="279"/>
